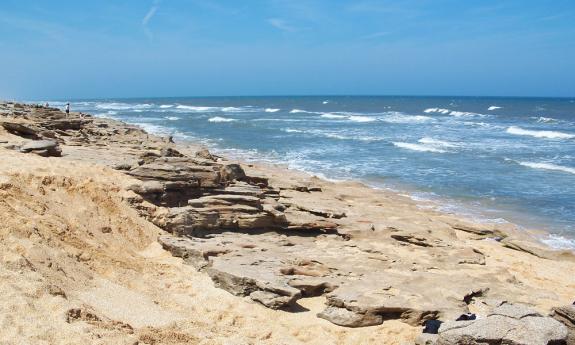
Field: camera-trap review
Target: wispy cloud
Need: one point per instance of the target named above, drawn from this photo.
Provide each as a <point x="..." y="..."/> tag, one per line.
<point x="376" y="35"/>
<point x="50" y="30"/>
<point x="149" y="15"/>
<point x="282" y="25"/>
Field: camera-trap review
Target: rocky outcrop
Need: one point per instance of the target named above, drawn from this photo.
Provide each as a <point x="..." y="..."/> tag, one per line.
<point x="566" y="315"/>
<point x="73" y="124"/>
<point x="276" y="240"/>
<point x="512" y="324"/>
<point x="23" y="130"/>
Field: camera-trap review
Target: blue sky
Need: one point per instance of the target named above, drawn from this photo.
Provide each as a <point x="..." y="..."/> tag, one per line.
<point x="131" y="48"/>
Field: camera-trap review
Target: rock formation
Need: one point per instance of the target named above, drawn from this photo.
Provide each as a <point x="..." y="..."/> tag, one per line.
<point x="276" y="241"/>
<point x="512" y="324"/>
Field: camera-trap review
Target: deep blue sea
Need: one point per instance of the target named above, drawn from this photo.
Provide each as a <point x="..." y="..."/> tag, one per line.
<point x="496" y="159"/>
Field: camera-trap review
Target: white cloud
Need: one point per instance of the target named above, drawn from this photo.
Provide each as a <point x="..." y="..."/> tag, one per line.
<point x="149" y="15"/>
<point x="281" y="25"/>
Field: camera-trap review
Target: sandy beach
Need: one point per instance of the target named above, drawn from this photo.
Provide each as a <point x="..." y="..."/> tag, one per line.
<point x="111" y="235"/>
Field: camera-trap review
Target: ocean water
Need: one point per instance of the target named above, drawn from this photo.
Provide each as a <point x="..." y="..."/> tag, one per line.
<point x="496" y="159"/>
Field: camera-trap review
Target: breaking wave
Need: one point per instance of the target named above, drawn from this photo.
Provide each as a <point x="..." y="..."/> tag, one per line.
<point x="463" y="113"/>
<point x="437" y="110"/>
<point x="334" y="135"/>
<point x="450" y="112"/>
<point x="493" y="107"/>
<point x="559" y="242"/>
<point x="122" y="106"/>
<point x="402" y="118"/>
<point x="220" y="119"/>
<point x="548" y="166"/>
<point x="418" y="147"/>
<point x="196" y="109"/>
<point x="542" y="119"/>
<point x="271" y="110"/>
<point x="358" y="118"/>
<point x="437" y="143"/>
<point x="539" y="134"/>
<point x="333" y="116"/>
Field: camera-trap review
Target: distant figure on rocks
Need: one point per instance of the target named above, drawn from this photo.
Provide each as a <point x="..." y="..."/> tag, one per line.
<point x="67" y="109"/>
<point x="46" y="105"/>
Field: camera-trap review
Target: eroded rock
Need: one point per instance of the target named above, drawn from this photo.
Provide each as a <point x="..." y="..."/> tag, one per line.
<point x="45" y="148"/>
<point x="507" y="324"/>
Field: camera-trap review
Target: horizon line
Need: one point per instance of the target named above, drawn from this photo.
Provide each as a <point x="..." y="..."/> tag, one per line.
<point x="295" y="95"/>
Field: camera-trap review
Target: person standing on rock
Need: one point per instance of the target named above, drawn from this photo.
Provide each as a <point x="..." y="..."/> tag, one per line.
<point x="67" y="109"/>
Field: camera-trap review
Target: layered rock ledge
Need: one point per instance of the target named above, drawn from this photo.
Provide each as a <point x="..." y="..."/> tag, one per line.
<point x="276" y="238"/>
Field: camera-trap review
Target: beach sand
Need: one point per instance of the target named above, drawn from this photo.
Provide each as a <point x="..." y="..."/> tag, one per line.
<point x="80" y="261"/>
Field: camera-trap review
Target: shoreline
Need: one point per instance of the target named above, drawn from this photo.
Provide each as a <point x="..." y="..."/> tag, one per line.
<point x="480" y="209"/>
<point x="259" y="253"/>
<point x="439" y="203"/>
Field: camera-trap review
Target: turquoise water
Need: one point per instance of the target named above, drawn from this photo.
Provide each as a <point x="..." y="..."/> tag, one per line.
<point x="499" y="159"/>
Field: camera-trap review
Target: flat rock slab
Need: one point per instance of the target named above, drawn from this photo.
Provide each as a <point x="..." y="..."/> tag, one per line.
<point x="23" y="130"/>
<point x="276" y="270"/>
<point x="42" y="147"/>
<point x="507" y="324"/>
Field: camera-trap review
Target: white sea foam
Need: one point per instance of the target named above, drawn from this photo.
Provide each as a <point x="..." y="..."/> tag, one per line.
<point x="548" y="166"/>
<point x="539" y="134"/>
<point x="220" y="119"/>
<point x="122" y="106"/>
<point x="451" y="112"/>
<point x="402" y="118"/>
<point x="325" y="102"/>
<point x="153" y="129"/>
<point x="105" y="115"/>
<point x="164" y="106"/>
<point x="357" y="118"/>
<point x="333" y="135"/>
<point x="463" y="113"/>
<point x="333" y="116"/>
<point x="195" y="108"/>
<point x="542" y="119"/>
<point x="436" y="142"/>
<point x="559" y="242"/>
<point x="271" y="110"/>
<point x="479" y="124"/>
<point x="295" y="111"/>
<point x="172" y="118"/>
<point x="237" y="109"/>
<point x="493" y="107"/>
<point x="418" y="147"/>
<point x="437" y="110"/>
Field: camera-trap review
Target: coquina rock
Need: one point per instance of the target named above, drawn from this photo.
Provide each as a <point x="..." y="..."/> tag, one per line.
<point x="566" y="315"/>
<point x="45" y="148"/>
<point x="512" y="324"/>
